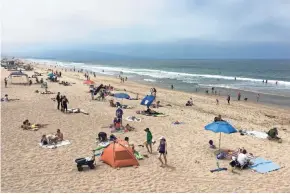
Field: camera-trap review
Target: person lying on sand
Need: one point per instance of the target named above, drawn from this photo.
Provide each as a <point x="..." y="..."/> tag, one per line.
<point x="28" y="126"/>
<point x="129" y="128"/>
<point x="65" y="83"/>
<point x="6" y="99"/>
<point x="77" y="110"/>
<point x="47" y="92"/>
<point x="149" y="111"/>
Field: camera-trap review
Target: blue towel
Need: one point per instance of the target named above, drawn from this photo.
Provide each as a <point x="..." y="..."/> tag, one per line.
<point x="262" y="166"/>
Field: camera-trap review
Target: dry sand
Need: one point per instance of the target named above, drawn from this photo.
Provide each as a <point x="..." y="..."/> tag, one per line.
<point x="28" y="168"/>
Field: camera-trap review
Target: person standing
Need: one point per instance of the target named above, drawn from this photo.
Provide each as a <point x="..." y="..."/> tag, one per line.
<point x="239" y="96"/>
<point x="64" y="103"/>
<point x="172" y="87"/>
<point x="58" y="99"/>
<point x="258" y="97"/>
<point x="229" y="99"/>
<point x="119" y="114"/>
<point x="162" y="148"/>
<point x="5" y="81"/>
<point x="149" y="138"/>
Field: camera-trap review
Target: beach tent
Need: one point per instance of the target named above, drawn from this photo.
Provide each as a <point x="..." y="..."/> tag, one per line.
<point x="147" y="101"/>
<point x="18" y="77"/>
<point x="119" y="154"/>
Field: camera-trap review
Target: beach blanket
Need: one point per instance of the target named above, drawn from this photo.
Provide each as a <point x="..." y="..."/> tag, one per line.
<point x="59" y="144"/>
<point x="138" y="156"/>
<point x="133" y="118"/>
<point x="257" y="134"/>
<point x="263" y="166"/>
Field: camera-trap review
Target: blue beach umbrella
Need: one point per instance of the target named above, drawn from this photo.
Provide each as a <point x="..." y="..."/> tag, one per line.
<point x="50" y="74"/>
<point x="147" y="101"/>
<point x="122" y="95"/>
<point x="220" y="127"/>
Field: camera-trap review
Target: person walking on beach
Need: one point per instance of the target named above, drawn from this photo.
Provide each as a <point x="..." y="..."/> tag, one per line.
<point x="149" y="138"/>
<point x="172" y="87"/>
<point x="58" y="99"/>
<point x="162" y="148"/>
<point x="119" y="114"/>
<point x="258" y="97"/>
<point x="217" y="102"/>
<point x="239" y="96"/>
<point x="5" y="81"/>
<point x="229" y="99"/>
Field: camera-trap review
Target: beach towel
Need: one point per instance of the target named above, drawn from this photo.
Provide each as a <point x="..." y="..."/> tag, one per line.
<point x="104" y="144"/>
<point x="133" y="118"/>
<point x="59" y="144"/>
<point x="138" y="155"/>
<point x="263" y="166"/>
<point x="257" y="134"/>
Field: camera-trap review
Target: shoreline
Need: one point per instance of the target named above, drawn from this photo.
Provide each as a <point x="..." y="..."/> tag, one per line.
<point x="200" y="93"/>
<point x="280" y="101"/>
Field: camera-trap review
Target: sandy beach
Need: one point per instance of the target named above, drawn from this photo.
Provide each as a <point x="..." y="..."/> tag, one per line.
<point x="26" y="167"/>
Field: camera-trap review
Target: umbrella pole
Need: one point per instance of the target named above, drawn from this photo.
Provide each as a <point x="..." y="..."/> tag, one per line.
<point x="220" y="141"/>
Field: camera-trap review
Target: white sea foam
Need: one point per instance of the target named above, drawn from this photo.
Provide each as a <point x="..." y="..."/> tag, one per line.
<point x="157" y="74"/>
<point x="150" y="80"/>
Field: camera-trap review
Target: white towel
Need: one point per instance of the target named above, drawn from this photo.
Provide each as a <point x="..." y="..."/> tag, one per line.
<point x="62" y="143"/>
<point x="257" y="134"/>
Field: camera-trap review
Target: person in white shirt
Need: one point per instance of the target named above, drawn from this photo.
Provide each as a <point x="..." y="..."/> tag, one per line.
<point x="242" y="161"/>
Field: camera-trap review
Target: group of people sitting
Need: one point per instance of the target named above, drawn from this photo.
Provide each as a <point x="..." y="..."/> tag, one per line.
<point x="52" y="139"/>
<point x="28" y="126"/>
<point x="242" y="161"/>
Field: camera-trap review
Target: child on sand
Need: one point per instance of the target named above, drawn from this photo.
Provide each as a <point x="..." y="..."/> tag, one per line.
<point x="162" y="148"/>
<point x="211" y="145"/>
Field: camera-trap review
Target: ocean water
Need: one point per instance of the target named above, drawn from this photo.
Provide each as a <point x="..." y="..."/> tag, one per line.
<point x="198" y="75"/>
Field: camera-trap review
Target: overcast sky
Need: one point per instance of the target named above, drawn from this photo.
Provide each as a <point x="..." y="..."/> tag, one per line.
<point x="39" y="22"/>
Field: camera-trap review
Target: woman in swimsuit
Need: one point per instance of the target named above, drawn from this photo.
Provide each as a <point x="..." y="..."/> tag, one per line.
<point x="162" y="148"/>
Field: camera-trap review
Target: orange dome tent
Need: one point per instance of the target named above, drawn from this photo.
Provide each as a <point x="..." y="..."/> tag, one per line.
<point x="119" y="154"/>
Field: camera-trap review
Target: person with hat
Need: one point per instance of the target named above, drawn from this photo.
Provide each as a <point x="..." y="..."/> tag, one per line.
<point x="148" y="142"/>
<point x="162" y="148"/>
